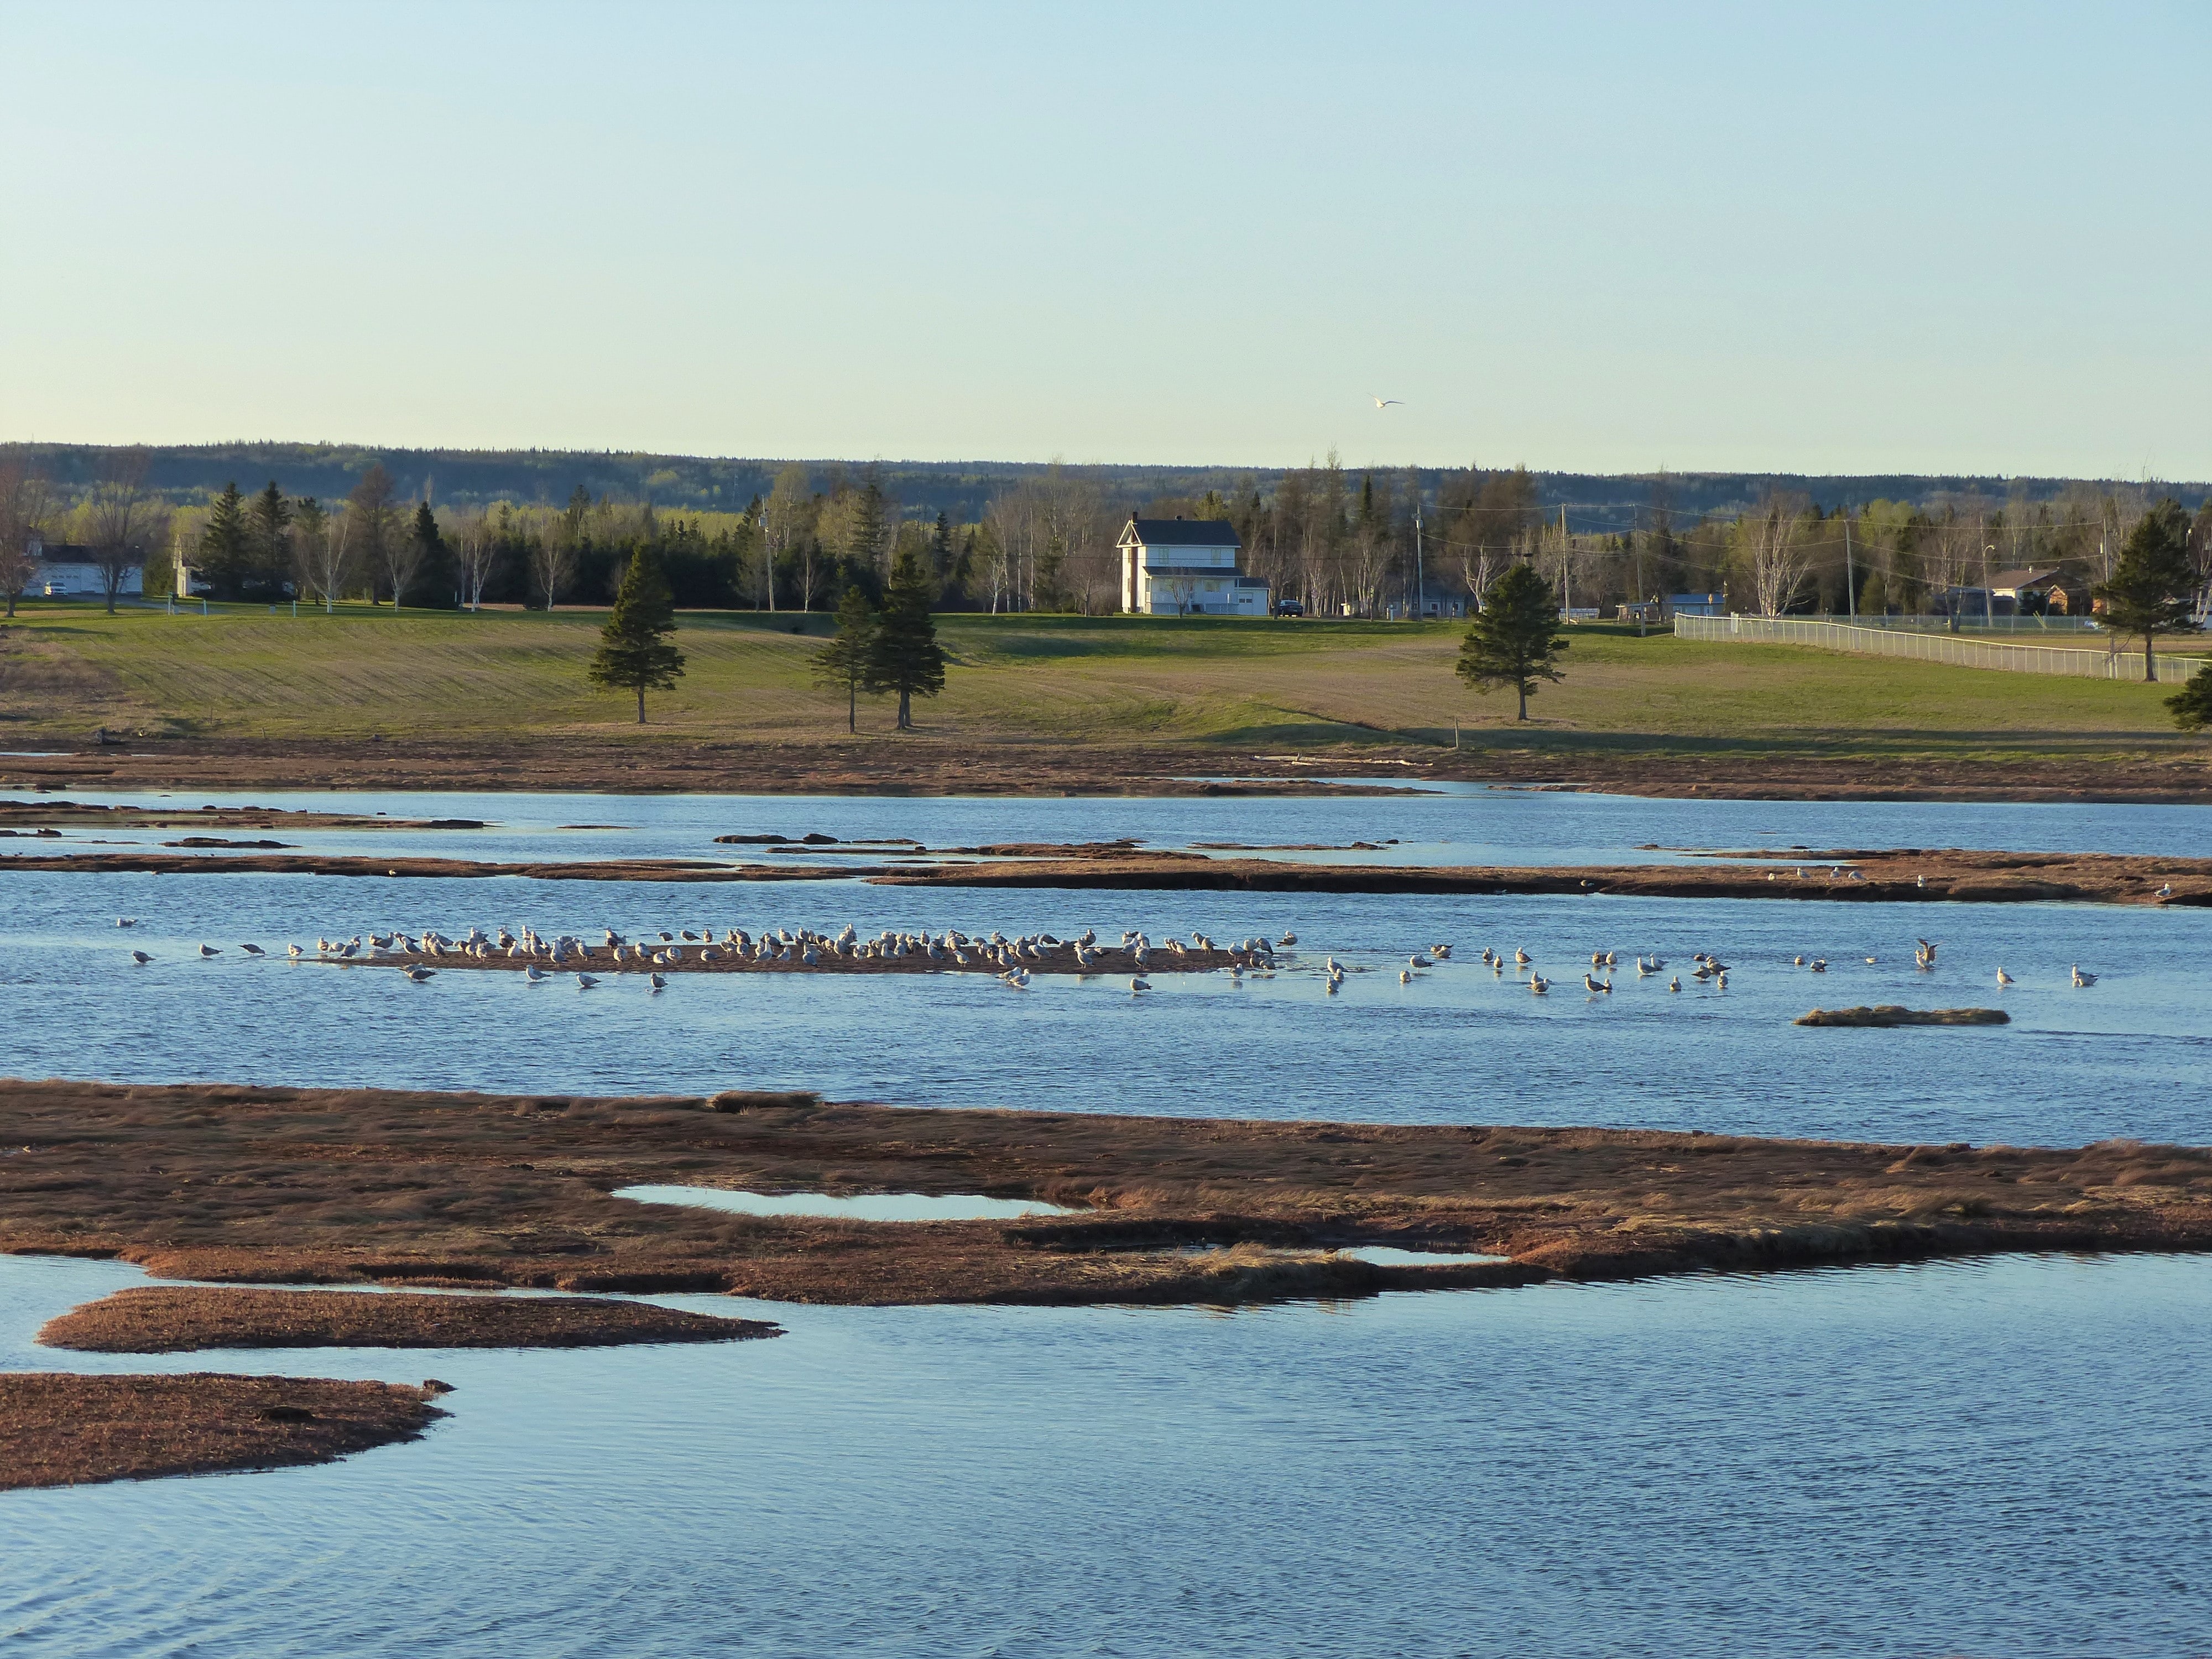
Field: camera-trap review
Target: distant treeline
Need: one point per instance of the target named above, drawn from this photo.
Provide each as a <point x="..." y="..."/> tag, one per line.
<point x="1338" y="540"/>
<point x="962" y="490"/>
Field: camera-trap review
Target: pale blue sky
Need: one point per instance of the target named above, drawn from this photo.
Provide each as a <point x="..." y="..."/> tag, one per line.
<point x="1858" y="238"/>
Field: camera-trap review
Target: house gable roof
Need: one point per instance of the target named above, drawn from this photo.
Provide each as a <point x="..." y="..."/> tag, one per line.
<point x="1181" y="533"/>
<point x="2015" y="580"/>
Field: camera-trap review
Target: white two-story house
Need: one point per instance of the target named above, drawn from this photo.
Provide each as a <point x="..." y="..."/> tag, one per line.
<point x="1186" y="568"/>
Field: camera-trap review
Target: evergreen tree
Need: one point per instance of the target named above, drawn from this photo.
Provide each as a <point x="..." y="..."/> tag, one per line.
<point x="634" y="653"/>
<point x="225" y="541"/>
<point x="2192" y="705"/>
<point x="905" y="656"/>
<point x="843" y="663"/>
<point x="871" y="529"/>
<point x="2154" y="586"/>
<point x="268" y="522"/>
<point x="1512" y="640"/>
<point x="433" y="565"/>
<point x="941" y="549"/>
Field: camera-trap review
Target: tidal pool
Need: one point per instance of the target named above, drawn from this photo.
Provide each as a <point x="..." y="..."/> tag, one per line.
<point x="864" y="1206"/>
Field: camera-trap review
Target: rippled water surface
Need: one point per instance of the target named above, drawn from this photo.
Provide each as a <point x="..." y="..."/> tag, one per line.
<point x="2001" y="1457"/>
<point x="1440" y="823"/>
<point x="2130" y="1056"/>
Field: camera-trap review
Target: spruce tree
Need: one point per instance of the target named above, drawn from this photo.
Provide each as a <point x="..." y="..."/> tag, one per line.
<point x="223" y="540"/>
<point x="2154" y="586"/>
<point x="1512" y="640"/>
<point x="2192" y="705"/>
<point x="634" y="653"/>
<point x="905" y="656"/>
<point x="843" y="663"/>
<point x="268" y="523"/>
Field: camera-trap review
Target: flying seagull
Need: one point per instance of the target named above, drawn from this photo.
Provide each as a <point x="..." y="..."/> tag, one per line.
<point x="1385" y="403"/>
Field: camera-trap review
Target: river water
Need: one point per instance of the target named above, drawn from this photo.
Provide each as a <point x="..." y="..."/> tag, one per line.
<point x="2000" y="1457"/>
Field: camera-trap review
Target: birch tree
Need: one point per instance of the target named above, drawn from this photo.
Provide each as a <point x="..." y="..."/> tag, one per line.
<point x="1776" y="549"/>
<point x="475" y="550"/>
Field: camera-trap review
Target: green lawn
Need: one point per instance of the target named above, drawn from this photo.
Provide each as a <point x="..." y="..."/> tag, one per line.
<point x="65" y="668"/>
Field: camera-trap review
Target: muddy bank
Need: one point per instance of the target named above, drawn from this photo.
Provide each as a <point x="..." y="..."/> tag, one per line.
<point x="57" y="1430"/>
<point x="229" y="1183"/>
<point x="1910" y="876"/>
<point x="924" y="764"/>
<point x="180" y="1319"/>
<point x="1888" y="1015"/>
<point x="311" y="864"/>
<point x="85" y="814"/>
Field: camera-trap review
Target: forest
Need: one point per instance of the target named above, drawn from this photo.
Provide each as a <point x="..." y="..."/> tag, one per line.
<point x="1339" y="541"/>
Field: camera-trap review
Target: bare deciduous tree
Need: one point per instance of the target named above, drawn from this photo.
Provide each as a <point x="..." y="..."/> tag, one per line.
<point x="475" y="550"/>
<point x="322" y="551"/>
<point x="375" y="524"/>
<point x="552" y="557"/>
<point x="121" y="518"/>
<point x="26" y="503"/>
<point x="1775" y="548"/>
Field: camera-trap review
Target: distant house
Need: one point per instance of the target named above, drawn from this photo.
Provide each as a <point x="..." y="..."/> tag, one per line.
<point x="2030" y="593"/>
<point x="62" y="569"/>
<point x="1186" y="568"/>
<point x="1695" y="604"/>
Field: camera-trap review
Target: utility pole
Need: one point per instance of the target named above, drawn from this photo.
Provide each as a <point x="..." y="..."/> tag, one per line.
<point x="1420" y="597"/>
<point x="1635" y="548"/>
<point x="1850" y="581"/>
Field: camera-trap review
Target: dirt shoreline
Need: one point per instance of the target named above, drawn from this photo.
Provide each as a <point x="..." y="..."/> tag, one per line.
<point x="185" y="1318"/>
<point x="652" y="762"/>
<point x="239" y="1185"/>
<point x="59" y="1429"/>
<point x="1911" y="875"/>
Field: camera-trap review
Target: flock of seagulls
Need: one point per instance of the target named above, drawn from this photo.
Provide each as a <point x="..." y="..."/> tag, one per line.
<point x="413" y="953"/>
<point x="545" y="958"/>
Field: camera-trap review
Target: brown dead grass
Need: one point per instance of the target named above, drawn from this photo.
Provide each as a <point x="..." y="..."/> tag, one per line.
<point x="231" y="1183"/>
<point x="59" y="1429"/>
<point x="178" y="1319"/>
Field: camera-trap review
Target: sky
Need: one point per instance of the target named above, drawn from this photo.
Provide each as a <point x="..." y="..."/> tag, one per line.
<point x="1855" y="239"/>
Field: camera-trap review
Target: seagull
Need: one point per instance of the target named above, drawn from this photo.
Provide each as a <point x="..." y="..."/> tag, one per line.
<point x="1521" y="957"/>
<point x="658" y="982"/>
<point x="132" y="921"/>
<point x="294" y="951"/>
<point x="1287" y="940"/>
<point x="209" y="951"/>
<point x="2004" y="978"/>
<point x="534" y="974"/>
<point x="419" y="974"/>
<point x="1405" y="976"/>
<point x="1140" y="985"/>
<point x="1385" y="403"/>
<point x="584" y="981"/>
<point x="1675" y="983"/>
<point x="2081" y="978"/>
<point x="1539" y="984"/>
<point x="1595" y="986"/>
<point x="254" y="950"/>
<point x="140" y="957"/>
<point x="2165" y="891"/>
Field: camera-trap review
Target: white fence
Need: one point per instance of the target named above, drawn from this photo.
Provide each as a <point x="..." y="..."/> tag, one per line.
<point x="2112" y="662"/>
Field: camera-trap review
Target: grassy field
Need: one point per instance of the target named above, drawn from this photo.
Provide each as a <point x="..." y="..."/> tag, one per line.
<point x="66" y="668"/>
